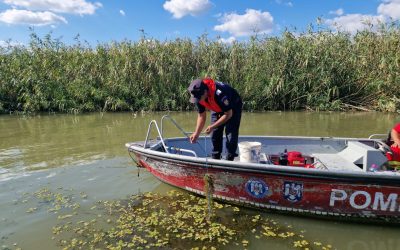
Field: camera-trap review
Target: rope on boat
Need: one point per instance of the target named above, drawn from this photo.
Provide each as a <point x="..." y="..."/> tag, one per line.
<point x="208" y="191"/>
<point x="136" y="162"/>
<point x="208" y="184"/>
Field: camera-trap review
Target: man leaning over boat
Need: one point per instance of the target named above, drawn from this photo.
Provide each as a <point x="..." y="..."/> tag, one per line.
<point x="225" y="105"/>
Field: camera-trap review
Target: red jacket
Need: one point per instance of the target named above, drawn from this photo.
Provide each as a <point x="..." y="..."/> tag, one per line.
<point x="210" y="102"/>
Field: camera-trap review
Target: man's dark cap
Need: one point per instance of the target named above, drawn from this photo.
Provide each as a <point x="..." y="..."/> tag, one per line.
<point x="196" y="89"/>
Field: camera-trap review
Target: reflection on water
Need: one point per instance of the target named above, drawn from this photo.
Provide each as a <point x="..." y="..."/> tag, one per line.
<point x="86" y="153"/>
<point x="32" y="143"/>
<point x="318" y="124"/>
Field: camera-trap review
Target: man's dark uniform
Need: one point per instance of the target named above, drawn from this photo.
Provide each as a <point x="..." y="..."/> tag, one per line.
<point x="225" y="98"/>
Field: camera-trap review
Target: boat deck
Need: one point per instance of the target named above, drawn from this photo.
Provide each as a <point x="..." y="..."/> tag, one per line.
<point x="336" y="154"/>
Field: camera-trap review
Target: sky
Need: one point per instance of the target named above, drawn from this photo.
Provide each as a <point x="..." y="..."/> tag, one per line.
<point x="103" y="21"/>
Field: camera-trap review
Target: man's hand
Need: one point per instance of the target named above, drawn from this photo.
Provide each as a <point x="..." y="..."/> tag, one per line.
<point x="209" y="129"/>
<point x="193" y="138"/>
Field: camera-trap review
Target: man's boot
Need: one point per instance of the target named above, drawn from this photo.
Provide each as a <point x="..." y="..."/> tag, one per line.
<point x="230" y="157"/>
<point x="216" y="156"/>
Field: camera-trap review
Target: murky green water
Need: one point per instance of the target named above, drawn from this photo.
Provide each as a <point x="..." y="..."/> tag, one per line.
<point x="84" y="158"/>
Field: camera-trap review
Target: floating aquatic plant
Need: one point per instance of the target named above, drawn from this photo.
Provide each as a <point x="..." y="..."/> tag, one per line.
<point x="176" y="220"/>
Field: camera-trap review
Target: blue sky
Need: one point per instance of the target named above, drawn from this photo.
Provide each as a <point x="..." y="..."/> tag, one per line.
<point x="229" y="20"/>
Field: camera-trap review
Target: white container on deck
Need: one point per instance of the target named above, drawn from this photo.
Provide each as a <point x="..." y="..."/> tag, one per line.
<point x="249" y="151"/>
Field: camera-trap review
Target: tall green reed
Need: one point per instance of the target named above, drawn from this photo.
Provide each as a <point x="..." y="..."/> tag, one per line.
<point x="321" y="70"/>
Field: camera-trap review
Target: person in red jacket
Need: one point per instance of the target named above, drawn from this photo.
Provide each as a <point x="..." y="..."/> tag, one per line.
<point x="395" y="142"/>
<point x="225" y="105"/>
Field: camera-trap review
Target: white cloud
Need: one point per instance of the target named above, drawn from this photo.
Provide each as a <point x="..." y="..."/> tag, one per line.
<point x="81" y="7"/>
<point x="9" y="43"/>
<point x="122" y="12"/>
<point x="337" y="12"/>
<point x="354" y="22"/>
<point x="253" y="21"/>
<point x="229" y="40"/>
<point x="181" y="8"/>
<point x="390" y="9"/>
<point x="30" y="18"/>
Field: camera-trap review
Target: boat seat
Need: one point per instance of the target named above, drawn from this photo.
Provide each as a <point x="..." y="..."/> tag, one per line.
<point x="362" y="154"/>
<point x="334" y="162"/>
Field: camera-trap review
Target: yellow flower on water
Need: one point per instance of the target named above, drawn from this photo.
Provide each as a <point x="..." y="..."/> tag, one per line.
<point x="61" y="217"/>
<point x="217" y="205"/>
<point x="30" y="210"/>
<point x="269" y="234"/>
<point x="297" y="244"/>
<point x="289" y="234"/>
<point x="282" y="235"/>
<point x="304" y="242"/>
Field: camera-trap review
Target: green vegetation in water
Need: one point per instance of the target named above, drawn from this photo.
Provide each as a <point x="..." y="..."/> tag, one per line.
<point x="315" y="70"/>
<point x="173" y="221"/>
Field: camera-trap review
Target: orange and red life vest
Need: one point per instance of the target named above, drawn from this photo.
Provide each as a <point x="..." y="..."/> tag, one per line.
<point x="210" y="102"/>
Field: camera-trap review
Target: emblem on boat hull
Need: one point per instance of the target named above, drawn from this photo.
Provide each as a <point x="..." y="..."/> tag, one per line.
<point x="292" y="191"/>
<point x="257" y="188"/>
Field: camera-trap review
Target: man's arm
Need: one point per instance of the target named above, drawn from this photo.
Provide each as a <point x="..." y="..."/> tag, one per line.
<point x="222" y="120"/>
<point x="201" y="120"/>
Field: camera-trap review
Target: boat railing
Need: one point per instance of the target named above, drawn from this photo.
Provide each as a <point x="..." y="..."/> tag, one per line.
<point x="175" y="123"/>
<point x="161" y="137"/>
<point x="377" y="135"/>
<point x="178" y="150"/>
<point x="154" y="122"/>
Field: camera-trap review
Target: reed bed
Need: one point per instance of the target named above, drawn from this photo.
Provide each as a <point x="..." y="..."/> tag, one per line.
<point x="315" y="70"/>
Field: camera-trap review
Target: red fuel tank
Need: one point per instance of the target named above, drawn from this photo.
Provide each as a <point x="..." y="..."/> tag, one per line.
<point x="295" y="158"/>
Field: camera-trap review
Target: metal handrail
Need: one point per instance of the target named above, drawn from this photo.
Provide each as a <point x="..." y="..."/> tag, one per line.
<point x="373" y="135"/>
<point x="159" y="134"/>
<point x="184" y="150"/>
<point x="180" y="128"/>
<point x="175" y="123"/>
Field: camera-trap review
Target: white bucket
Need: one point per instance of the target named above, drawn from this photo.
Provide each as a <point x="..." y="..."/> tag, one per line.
<point x="249" y="151"/>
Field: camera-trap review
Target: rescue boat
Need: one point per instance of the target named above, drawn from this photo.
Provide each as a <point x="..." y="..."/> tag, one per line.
<point x="339" y="178"/>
